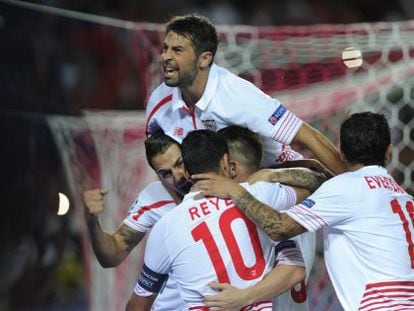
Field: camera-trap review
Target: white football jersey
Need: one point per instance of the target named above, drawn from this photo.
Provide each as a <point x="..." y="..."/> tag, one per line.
<point x="152" y="203"/>
<point x="227" y="100"/>
<point x="368" y="223"/>
<point x="210" y="239"/>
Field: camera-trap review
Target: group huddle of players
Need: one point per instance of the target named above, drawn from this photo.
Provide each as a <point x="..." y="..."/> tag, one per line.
<point x="227" y="234"/>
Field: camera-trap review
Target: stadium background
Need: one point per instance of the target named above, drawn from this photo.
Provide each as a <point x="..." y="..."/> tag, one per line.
<point x="58" y="63"/>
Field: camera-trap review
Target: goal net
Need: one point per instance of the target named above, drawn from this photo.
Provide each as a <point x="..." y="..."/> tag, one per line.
<point x="322" y="73"/>
<point x="105" y="150"/>
<point x="301" y="66"/>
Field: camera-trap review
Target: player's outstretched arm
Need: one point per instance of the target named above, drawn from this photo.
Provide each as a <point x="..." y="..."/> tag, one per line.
<point x="110" y="249"/>
<point x="278" y="281"/>
<point x="278" y="226"/>
<point x="295" y="177"/>
<point x="321" y="147"/>
<point x="140" y="303"/>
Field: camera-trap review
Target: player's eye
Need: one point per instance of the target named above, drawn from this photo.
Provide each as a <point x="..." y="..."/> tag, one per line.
<point x="165" y="174"/>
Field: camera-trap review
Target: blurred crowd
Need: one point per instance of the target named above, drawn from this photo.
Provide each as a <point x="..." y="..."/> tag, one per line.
<point x="261" y="12"/>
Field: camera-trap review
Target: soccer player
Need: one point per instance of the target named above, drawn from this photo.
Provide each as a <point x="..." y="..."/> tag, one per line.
<point x="368" y="220"/>
<point x="164" y="156"/>
<point x="245" y="153"/>
<point x="198" y="94"/>
<point x="205" y="240"/>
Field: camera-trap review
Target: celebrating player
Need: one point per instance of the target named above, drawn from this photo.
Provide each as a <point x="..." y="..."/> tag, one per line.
<point x="368" y="220"/>
<point x="245" y="152"/>
<point x="198" y="94"/>
<point x="159" y="197"/>
<point x="209" y="239"/>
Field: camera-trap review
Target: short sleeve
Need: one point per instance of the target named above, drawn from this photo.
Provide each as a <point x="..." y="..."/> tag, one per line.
<point x="263" y="114"/>
<point x="332" y="204"/>
<point x="276" y="195"/>
<point x="288" y="253"/>
<point x="157" y="263"/>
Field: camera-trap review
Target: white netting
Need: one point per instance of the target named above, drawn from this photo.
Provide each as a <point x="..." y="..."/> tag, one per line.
<point x="302" y="66"/>
<point x="106" y="150"/>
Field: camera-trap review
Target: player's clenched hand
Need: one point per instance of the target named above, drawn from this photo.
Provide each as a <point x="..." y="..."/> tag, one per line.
<point x="93" y="200"/>
<point x="214" y="185"/>
<point x="229" y="298"/>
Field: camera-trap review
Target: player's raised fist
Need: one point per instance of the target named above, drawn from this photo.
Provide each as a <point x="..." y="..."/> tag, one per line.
<point x="93" y="200"/>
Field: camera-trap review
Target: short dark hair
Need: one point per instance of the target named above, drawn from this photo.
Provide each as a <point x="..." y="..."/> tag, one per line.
<point x="156" y="144"/>
<point x="202" y="151"/>
<point x="198" y="29"/>
<point x="244" y="145"/>
<point x="365" y="138"/>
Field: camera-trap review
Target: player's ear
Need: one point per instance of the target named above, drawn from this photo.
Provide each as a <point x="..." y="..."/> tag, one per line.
<point x="205" y="59"/>
<point x="388" y="154"/>
<point x="225" y="165"/>
<point x="233" y="168"/>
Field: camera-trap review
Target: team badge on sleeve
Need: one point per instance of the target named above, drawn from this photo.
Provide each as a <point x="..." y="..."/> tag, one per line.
<point x="279" y="112"/>
<point x="308" y="203"/>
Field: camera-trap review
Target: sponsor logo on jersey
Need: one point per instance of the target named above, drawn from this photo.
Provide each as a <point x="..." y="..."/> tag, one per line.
<point x="279" y="112"/>
<point x="210" y="125"/>
<point x="308" y="203"/>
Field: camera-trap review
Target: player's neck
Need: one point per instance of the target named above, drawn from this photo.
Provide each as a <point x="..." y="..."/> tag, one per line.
<point x="191" y="94"/>
<point x="354" y="167"/>
<point x="178" y="198"/>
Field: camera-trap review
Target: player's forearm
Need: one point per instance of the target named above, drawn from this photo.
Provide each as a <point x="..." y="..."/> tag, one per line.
<point x="278" y="281"/>
<point x="104" y="244"/>
<point x="278" y="226"/>
<point x="321" y="147"/>
<point x="298" y="177"/>
<point x="329" y="155"/>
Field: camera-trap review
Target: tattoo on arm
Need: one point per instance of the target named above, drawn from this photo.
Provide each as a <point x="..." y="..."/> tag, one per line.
<point x="278" y="226"/>
<point x="130" y="237"/>
<point x="300" y="177"/>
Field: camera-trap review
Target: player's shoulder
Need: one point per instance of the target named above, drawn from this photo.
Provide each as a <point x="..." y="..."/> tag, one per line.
<point x="161" y="95"/>
<point x="233" y="87"/>
<point x="153" y="194"/>
<point x="261" y="186"/>
<point x="346" y="184"/>
<point x="226" y="76"/>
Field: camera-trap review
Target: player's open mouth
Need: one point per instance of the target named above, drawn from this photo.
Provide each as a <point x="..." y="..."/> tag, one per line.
<point x="169" y="72"/>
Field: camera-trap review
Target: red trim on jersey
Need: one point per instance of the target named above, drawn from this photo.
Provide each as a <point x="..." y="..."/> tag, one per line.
<point x="157" y="106"/>
<point x="152" y="206"/>
<point x="198" y="308"/>
<point x="391" y="283"/>
<point x="284" y="126"/>
<point x="259" y="306"/>
<point x="191" y="112"/>
<point x="378" y="296"/>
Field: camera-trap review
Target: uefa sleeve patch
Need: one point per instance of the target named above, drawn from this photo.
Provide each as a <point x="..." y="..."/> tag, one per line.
<point x="308" y="203"/>
<point x="151" y="280"/>
<point x="279" y="112"/>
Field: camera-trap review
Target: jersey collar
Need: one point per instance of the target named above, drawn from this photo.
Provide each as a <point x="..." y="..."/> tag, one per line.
<point x="208" y="94"/>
